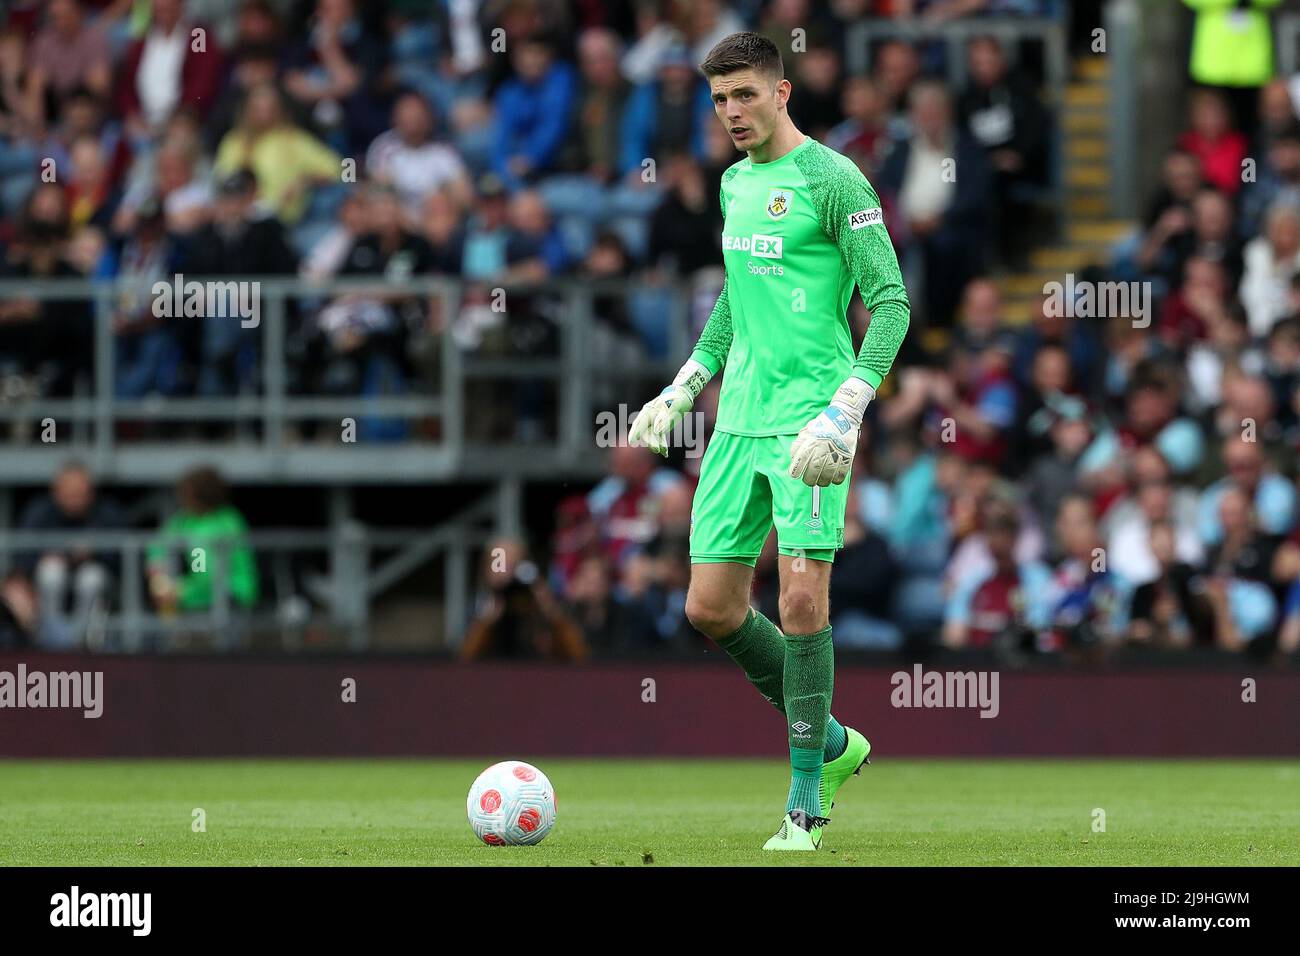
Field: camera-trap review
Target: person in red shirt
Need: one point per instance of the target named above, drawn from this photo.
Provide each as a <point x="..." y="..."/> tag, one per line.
<point x="1212" y="139"/>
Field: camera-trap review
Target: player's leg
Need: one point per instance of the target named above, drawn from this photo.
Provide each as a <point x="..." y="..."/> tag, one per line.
<point x="731" y="516"/>
<point x="810" y="528"/>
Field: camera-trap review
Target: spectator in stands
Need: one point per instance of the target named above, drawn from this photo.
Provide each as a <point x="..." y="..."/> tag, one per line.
<point x="1002" y="602"/>
<point x="1212" y="139"/>
<point x="1232" y="48"/>
<point x="602" y="102"/>
<point x="863" y="589"/>
<point x="1190" y="309"/>
<point x="861" y="134"/>
<point x="1002" y="112"/>
<point x="1271" y="496"/>
<point x="684" y="228"/>
<point x="1277" y="181"/>
<point x="443" y="227"/>
<point x="1150" y="498"/>
<point x="1165" y="611"/>
<point x="287" y="161"/>
<point x="534" y="249"/>
<point x="46" y="345"/>
<point x="335" y="72"/>
<point x="18" y="153"/>
<point x="534" y="112"/>
<point x="941" y="218"/>
<point x="1089" y="600"/>
<point x="625" y="504"/>
<point x="410" y="159"/>
<point x="1227" y="345"/>
<point x="896" y="69"/>
<point x="332" y="250"/>
<point x="201" y="558"/>
<point x="253" y="67"/>
<point x="518" y="617"/>
<point x="1238" y="584"/>
<point x="1277" y="115"/>
<point x="92" y="196"/>
<point x="69" y="53"/>
<point x="1271" y="260"/>
<point x="71" y="582"/>
<point x="168" y="68"/>
<point x="665" y="116"/>
<point x="815" y="101"/>
<point x="1053" y="471"/>
<point x="148" y="356"/>
<point x="241" y="240"/>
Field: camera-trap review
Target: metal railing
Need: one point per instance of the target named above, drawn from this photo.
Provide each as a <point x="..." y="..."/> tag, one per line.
<point x="342" y="595"/>
<point x="269" y="454"/>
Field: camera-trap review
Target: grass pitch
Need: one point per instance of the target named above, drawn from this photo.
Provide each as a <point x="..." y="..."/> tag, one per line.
<point x="653" y="812"/>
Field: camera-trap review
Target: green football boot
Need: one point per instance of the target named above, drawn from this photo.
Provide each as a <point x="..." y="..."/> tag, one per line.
<point x="847" y="764"/>
<point x="799" y="831"/>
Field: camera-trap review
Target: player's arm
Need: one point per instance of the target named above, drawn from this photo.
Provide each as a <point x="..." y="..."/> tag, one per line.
<point x="659" y="415"/>
<point x="850" y="212"/>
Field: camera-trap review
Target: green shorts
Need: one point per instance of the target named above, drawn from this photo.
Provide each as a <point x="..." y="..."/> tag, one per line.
<point x="745" y="488"/>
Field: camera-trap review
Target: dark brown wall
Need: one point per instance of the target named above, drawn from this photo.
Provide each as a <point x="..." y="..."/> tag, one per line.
<point x="215" y="707"/>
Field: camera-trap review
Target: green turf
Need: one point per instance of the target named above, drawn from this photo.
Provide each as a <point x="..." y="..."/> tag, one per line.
<point x="630" y="813"/>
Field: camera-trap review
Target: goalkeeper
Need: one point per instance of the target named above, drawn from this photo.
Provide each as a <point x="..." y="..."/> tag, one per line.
<point x="801" y="227"/>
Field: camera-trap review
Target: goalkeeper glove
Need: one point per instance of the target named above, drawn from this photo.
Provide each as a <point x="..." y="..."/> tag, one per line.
<point x="661" y="414"/>
<point x="822" y="453"/>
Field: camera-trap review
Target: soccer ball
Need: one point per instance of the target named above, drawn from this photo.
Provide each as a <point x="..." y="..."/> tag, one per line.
<point x="511" y="804"/>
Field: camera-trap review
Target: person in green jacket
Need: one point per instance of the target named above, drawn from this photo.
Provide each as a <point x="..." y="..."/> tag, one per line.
<point x="186" y="562"/>
<point x="1232" y="44"/>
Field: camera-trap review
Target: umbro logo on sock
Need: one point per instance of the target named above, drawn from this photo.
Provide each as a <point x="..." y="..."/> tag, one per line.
<point x="800" y="727"/>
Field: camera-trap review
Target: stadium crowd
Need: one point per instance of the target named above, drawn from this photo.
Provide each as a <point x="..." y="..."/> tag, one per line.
<point x="1068" y="485"/>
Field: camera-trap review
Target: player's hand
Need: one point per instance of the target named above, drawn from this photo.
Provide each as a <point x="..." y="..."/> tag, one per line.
<point x="657" y="417"/>
<point x="822" y="453"/>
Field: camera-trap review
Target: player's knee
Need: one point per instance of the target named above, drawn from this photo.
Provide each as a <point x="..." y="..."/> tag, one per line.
<point x="712" y="616"/>
<point x="803" y="611"/>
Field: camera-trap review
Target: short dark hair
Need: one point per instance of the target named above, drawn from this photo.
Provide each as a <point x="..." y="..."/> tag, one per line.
<point x="743" y="51"/>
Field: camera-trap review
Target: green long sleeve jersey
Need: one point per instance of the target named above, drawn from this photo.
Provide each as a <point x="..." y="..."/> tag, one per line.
<point x="798" y="234"/>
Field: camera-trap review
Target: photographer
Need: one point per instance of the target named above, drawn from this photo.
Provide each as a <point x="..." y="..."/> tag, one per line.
<point x="519" y="617"/>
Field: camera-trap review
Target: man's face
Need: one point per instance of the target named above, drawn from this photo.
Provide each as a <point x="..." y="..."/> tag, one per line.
<point x="748" y="105"/>
<point x="74" y="493"/>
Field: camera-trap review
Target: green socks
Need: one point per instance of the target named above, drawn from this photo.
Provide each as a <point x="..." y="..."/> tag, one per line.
<point x="760" y="649"/>
<point x="809" y="681"/>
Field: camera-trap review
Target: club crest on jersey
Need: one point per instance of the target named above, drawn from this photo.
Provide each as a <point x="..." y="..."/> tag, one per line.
<point x="778" y="202"/>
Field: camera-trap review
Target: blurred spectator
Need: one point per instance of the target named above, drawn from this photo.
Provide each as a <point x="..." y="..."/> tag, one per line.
<point x="624" y="504"/>
<point x="410" y="159"/>
<point x="241" y="240"/>
<point x="67" y="54"/>
<point x="534" y="112"/>
<point x="863" y="586"/>
<point x="1150" y="500"/>
<point x="168" y="68"/>
<point x="286" y="160"/>
<point x="896" y="69"/>
<point x="1006" y="603"/>
<point x="518" y="617"/>
<point x="1270" y="261"/>
<point x="201" y="557"/>
<point x="941" y="218"/>
<point x="1232" y="47"/>
<point x="1277" y="181"/>
<point x="1212" y="139"/>
<point x="815" y="100"/>
<point x="1089" y="600"/>
<point x="1271" y="496"/>
<point x="665" y="116"/>
<point x="71" y="582"/>
<point x="149" y="357"/>
<point x="1238" y="583"/>
<point x="1166" y="611"/>
<point x="861" y="134"/>
<point x="1005" y="116"/>
<point x="603" y="100"/>
<point x="334" y="73"/>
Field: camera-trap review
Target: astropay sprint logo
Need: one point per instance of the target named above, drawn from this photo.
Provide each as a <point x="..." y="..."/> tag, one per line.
<point x="74" y="909"/>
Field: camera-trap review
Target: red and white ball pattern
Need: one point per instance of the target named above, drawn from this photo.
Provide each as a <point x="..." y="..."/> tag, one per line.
<point x="511" y="804"/>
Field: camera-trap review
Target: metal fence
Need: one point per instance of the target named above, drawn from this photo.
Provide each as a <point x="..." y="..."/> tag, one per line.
<point x="88" y="424"/>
